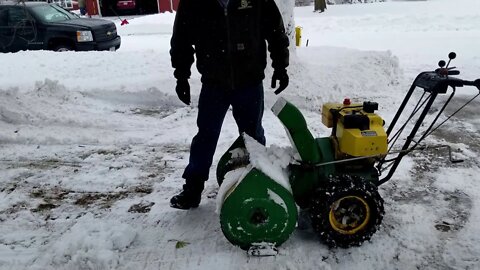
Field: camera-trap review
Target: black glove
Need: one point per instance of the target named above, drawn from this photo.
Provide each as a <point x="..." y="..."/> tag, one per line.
<point x="282" y="76"/>
<point x="183" y="91"/>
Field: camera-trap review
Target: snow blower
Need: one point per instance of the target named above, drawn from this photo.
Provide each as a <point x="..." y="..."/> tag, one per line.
<point x="333" y="179"/>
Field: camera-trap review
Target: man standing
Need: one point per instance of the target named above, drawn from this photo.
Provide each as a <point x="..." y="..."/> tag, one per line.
<point x="320" y="5"/>
<point x="82" y="6"/>
<point x="228" y="38"/>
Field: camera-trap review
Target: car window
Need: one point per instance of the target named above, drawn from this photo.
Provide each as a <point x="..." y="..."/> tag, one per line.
<point x="64" y="3"/>
<point x="51" y="13"/>
<point x="17" y="15"/>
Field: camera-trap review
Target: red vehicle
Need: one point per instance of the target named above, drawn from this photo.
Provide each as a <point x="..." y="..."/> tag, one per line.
<point x="126" y="5"/>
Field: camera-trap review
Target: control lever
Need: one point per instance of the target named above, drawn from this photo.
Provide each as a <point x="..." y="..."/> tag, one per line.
<point x="451" y="56"/>
<point x="447" y="71"/>
<point x="444" y="69"/>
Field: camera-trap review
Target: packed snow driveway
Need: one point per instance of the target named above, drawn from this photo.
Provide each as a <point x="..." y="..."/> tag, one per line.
<point x="87" y="174"/>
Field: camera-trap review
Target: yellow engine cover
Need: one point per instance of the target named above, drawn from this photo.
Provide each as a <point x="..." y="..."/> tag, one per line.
<point x="368" y="140"/>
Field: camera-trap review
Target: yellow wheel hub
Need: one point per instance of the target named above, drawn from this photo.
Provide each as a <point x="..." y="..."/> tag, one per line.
<point x="349" y="214"/>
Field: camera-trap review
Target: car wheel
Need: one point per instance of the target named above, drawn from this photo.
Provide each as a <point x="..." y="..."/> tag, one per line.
<point x="62" y="48"/>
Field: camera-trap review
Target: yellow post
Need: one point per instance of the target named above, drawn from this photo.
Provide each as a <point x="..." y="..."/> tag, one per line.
<point x="298" y="35"/>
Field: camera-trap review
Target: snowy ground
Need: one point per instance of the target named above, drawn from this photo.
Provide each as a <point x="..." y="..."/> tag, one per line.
<point x="93" y="146"/>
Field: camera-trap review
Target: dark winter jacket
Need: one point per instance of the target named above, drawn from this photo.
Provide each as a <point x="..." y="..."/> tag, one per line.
<point x="229" y="42"/>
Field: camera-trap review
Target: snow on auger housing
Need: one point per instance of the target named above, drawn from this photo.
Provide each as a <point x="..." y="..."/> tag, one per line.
<point x="334" y="179"/>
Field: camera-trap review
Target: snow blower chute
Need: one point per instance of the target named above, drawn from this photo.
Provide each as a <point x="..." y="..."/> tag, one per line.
<point x="334" y="179"/>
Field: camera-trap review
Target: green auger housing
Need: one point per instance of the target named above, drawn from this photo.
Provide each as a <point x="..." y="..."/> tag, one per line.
<point x="256" y="209"/>
<point x="259" y="206"/>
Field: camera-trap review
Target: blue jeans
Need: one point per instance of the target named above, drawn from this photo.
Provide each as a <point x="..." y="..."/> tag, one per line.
<point x="247" y="108"/>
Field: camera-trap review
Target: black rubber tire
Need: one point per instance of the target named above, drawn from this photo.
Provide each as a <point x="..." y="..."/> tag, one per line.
<point x="62" y="48"/>
<point x="340" y="188"/>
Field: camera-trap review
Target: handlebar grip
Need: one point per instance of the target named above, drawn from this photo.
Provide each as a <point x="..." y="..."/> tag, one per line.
<point x="470" y="83"/>
<point x="475" y="83"/>
<point x="454" y="72"/>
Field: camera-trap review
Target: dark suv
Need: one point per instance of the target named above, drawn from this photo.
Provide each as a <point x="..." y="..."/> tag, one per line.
<point x="43" y="26"/>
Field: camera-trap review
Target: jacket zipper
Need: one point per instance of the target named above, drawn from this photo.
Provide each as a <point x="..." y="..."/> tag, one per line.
<point x="229" y="49"/>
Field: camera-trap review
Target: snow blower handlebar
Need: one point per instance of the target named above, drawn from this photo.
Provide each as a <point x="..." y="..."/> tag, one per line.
<point x="439" y="80"/>
<point x="433" y="83"/>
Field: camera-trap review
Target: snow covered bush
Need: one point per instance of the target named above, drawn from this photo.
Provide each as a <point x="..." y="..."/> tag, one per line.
<point x="286" y="8"/>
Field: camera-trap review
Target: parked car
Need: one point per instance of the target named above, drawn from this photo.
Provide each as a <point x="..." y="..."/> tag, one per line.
<point x="126" y="6"/>
<point x="44" y="26"/>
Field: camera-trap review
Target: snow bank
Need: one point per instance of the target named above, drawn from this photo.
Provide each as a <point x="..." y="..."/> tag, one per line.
<point x="420" y="33"/>
<point x="90" y="70"/>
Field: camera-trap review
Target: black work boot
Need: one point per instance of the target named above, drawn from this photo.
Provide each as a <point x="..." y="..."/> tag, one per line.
<point x="189" y="198"/>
